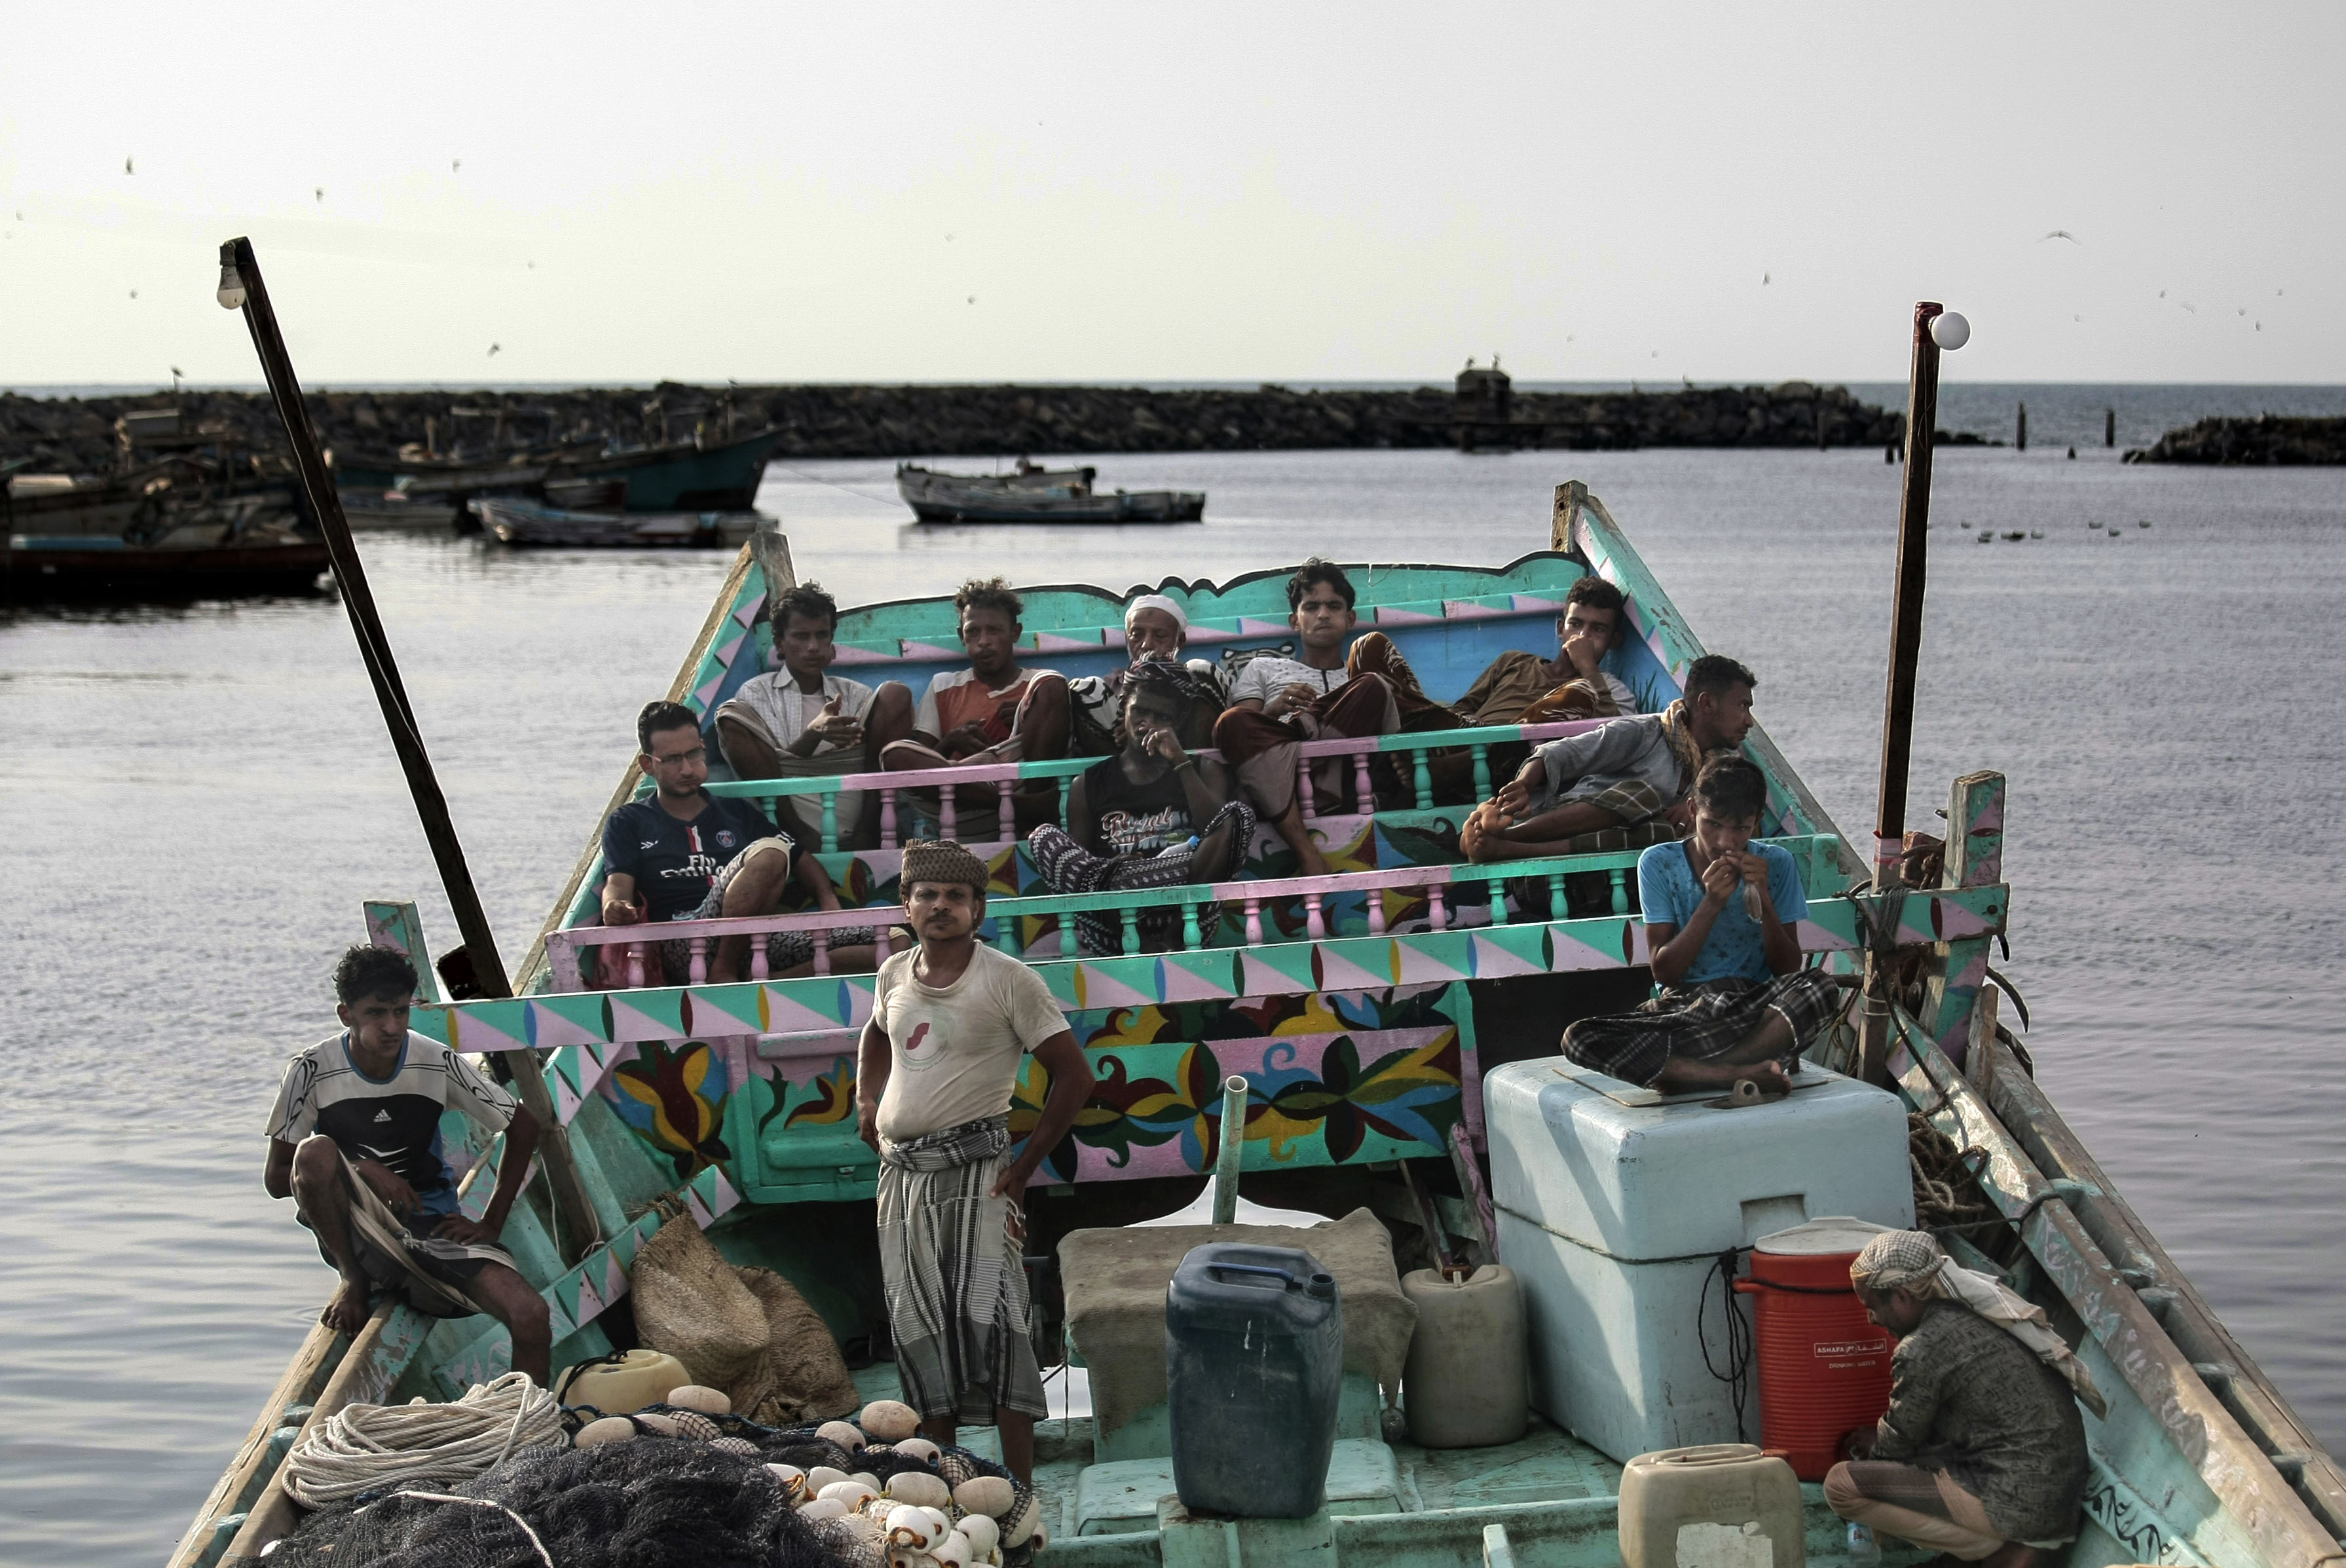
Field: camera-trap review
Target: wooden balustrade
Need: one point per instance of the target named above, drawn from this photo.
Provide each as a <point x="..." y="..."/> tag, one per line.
<point x="769" y="793"/>
<point x="1438" y="884"/>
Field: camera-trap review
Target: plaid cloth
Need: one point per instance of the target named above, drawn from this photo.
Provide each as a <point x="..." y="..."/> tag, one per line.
<point x="954" y="1277"/>
<point x="1697" y="1023"/>
<point x="1067" y="866"/>
<point x="785" y="950"/>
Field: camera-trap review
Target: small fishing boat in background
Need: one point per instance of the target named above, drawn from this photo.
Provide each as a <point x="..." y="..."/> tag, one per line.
<point x="184" y="515"/>
<point x="398" y="509"/>
<point x="1032" y="494"/>
<point x="702" y="474"/>
<point x="527" y="522"/>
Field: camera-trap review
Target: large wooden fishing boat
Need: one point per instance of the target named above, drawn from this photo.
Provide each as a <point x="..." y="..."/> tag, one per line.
<point x="1394" y="1026"/>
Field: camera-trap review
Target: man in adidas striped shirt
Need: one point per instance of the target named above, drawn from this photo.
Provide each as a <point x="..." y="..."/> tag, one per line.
<point x="354" y="1140"/>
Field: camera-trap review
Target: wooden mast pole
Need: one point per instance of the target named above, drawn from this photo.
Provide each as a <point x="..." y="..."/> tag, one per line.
<point x="1905" y="650"/>
<point x="241" y="285"/>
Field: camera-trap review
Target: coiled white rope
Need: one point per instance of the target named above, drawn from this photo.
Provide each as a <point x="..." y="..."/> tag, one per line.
<point x="377" y="1447"/>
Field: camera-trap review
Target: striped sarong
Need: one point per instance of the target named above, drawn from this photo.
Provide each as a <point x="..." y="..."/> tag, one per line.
<point x="1697" y="1023"/>
<point x="429" y="1272"/>
<point x="954" y="1277"/>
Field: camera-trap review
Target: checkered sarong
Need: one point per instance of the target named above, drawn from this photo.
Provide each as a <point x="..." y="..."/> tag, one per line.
<point x="1697" y="1023"/>
<point x="954" y="1277"/>
<point x="785" y="950"/>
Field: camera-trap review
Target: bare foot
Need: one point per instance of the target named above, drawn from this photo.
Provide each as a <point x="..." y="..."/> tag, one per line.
<point x="1678" y="1076"/>
<point x="347" y="1313"/>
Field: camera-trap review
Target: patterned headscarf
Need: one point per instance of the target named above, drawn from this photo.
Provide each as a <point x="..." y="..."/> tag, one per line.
<point x="1167" y="678"/>
<point x="941" y="861"/>
<point x="1911" y="1261"/>
<point x="1906" y="1260"/>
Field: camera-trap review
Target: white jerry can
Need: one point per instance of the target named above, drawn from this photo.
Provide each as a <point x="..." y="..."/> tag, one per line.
<point x="1723" y="1505"/>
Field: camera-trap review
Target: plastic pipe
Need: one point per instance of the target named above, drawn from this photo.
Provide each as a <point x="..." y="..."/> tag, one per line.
<point x="1233" y="1151"/>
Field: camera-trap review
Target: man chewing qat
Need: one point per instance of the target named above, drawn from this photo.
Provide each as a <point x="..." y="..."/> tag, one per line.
<point x="1982" y="1453"/>
<point x="951" y="1022"/>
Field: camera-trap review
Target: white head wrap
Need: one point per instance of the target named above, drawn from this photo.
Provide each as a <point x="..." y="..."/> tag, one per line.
<point x="1155" y="602"/>
<point x="1911" y="1261"/>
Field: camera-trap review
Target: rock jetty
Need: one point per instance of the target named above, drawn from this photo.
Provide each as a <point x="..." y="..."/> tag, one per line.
<point x="78" y="434"/>
<point x="2269" y="438"/>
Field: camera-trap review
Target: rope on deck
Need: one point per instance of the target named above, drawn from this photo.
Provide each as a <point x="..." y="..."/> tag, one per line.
<point x="379" y="1448"/>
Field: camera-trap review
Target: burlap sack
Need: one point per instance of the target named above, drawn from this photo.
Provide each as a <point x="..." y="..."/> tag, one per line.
<point x="690" y="1303"/>
<point x="806" y="1378"/>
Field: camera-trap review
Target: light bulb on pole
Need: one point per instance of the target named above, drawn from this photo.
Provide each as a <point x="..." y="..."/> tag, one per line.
<point x="230" y="293"/>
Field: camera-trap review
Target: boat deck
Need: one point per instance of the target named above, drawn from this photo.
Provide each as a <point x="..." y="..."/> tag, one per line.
<point x="1549" y="1483"/>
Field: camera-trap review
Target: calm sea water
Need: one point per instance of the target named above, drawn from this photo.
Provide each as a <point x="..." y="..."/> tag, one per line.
<point x="197" y="800"/>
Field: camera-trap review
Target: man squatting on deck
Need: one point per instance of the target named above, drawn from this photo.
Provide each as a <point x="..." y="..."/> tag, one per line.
<point x="995" y="711"/>
<point x="1719" y="912"/>
<point x="1982" y="1453"/>
<point x="950" y="1020"/>
<point x="354" y="1140"/>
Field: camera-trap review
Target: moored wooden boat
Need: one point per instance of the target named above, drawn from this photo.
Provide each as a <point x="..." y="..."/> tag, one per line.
<point x="124" y="539"/>
<point x="527" y="523"/>
<point x="1368" y="1013"/>
<point x="714" y="475"/>
<point x="1033" y="495"/>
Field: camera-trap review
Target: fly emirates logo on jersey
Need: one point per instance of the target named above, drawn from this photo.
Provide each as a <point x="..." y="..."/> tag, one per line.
<point x="704" y="858"/>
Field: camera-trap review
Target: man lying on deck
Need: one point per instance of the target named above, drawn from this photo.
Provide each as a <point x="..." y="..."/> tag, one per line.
<point x="951" y="1023"/>
<point x="1718" y="911"/>
<point x="1155" y="627"/>
<point x="992" y="712"/>
<point x="1982" y="1453"/>
<point x="1150" y="817"/>
<point x="801" y="721"/>
<point x="685" y="854"/>
<point x="1277" y="702"/>
<point x="354" y="1140"/>
<point x="1623" y="773"/>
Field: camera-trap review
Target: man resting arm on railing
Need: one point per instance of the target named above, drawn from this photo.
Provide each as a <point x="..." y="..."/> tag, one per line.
<point x="991" y="713"/>
<point x="1622" y="773"/>
<point x="1719" y="911"/>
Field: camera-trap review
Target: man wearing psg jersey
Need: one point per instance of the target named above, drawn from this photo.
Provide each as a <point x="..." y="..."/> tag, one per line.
<point x="354" y="1140"/>
<point x="682" y="853"/>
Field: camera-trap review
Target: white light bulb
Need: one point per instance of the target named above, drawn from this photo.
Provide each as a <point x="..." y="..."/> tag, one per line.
<point x="1950" y="330"/>
<point x="232" y="288"/>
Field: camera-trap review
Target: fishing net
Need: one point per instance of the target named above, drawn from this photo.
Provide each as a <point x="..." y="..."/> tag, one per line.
<point x="703" y="1499"/>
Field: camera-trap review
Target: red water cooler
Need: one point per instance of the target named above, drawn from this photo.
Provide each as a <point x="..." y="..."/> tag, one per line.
<point x="1824" y="1370"/>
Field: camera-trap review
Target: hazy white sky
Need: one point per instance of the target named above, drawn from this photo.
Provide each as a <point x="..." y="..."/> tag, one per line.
<point x="1180" y="191"/>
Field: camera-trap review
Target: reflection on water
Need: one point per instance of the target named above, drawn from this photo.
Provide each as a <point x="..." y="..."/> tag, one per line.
<point x="198" y="800"/>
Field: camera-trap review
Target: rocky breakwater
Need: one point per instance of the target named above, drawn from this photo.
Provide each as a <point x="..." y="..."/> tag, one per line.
<point x="78" y="435"/>
<point x="2267" y="439"/>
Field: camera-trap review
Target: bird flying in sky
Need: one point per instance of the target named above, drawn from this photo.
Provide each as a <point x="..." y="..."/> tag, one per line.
<point x="127" y="168"/>
<point x="319" y="192"/>
<point x="2061" y="234"/>
<point x="493" y="348"/>
<point x="1763" y="279"/>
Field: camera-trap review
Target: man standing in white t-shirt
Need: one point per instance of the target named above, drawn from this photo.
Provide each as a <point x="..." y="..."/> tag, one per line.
<point x="803" y="721"/>
<point x="1277" y="702"/>
<point x="951" y="1021"/>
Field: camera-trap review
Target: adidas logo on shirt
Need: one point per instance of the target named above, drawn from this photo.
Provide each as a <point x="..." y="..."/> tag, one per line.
<point x="382" y="1116"/>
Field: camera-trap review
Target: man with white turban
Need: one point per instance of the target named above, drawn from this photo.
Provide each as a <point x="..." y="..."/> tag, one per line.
<point x="1155" y="626"/>
<point x="1982" y="1453"/>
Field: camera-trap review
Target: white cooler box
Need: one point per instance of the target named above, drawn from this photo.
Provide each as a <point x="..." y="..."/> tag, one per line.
<point x="1615" y="1202"/>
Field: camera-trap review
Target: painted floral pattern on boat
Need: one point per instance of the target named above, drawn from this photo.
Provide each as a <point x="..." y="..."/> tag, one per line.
<point x="673" y="1097"/>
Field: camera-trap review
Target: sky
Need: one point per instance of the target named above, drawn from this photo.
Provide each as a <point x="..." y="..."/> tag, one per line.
<point x="1197" y="191"/>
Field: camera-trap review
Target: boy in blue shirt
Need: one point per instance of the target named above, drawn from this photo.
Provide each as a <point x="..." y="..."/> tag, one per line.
<point x="1720" y="910"/>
